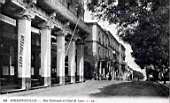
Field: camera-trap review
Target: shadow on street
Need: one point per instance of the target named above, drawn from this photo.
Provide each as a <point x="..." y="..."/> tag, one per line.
<point x="137" y="88"/>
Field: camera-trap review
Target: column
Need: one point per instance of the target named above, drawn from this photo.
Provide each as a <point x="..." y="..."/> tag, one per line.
<point x="113" y="72"/>
<point x="108" y="66"/>
<point x="109" y="71"/>
<point x="61" y="58"/>
<point x="95" y="70"/>
<point x="24" y="52"/>
<point x="72" y="61"/>
<point x="80" y="62"/>
<point x="104" y="72"/>
<point x="120" y="71"/>
<point x="132" y="74"/>
<point x="100" y="70"/>
<point x="46" y="55"/>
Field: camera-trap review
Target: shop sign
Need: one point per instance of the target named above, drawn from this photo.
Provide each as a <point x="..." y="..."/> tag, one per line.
<point x="5" y="70"/>
<point x="21" y="48"/>
<point x="12" y="72"/>
<point x="32" y="71"/>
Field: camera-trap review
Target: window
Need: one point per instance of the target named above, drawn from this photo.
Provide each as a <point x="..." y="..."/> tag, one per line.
<point x="99" y="36"/>
<point x="69" y="3"/>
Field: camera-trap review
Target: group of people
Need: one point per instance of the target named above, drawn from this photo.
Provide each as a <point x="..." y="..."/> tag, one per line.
<point x="156" y="74"/>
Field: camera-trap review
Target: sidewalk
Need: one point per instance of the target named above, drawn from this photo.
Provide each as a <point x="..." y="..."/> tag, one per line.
<point x="167" y="83"/>
<point x="78" y="89"/>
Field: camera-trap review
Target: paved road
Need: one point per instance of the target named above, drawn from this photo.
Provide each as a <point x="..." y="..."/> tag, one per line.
<point x="137" y="89"/>
<point x="78" y="89"/>
<point x="101" y="89"/>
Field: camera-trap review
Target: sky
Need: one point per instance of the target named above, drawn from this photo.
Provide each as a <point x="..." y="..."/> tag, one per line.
<point x="112" y="28"/>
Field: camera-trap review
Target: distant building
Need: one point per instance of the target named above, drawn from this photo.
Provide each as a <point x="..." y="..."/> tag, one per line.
<point x="121" y="60"/>
<point x="104" y="55"/>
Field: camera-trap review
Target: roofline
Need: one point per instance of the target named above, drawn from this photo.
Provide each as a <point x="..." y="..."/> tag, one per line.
<point x="96" y="23"/>
<point x="106" y="31"/>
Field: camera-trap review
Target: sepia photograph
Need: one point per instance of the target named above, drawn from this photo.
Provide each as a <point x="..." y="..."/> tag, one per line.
<point x="84" y="51"/>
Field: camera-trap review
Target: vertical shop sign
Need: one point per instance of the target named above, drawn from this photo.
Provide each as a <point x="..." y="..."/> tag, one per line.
<point x="12" y="71"/>
<point x="32" y="71"/>
<point x="21" y="48"/>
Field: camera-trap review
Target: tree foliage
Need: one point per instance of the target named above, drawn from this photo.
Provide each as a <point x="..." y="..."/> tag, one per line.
<point x="144" y="24"/>
<point x="137" y="74"/>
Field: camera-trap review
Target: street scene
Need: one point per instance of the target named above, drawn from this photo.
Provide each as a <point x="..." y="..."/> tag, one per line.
<point x="84" y="48"/>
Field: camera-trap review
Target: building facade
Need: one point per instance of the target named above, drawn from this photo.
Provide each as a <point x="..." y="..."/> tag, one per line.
<point x="121" y="61"/>
<point x="114" y="56"/>
<point x="41" y="43"/>
<point x="102" y="54"/>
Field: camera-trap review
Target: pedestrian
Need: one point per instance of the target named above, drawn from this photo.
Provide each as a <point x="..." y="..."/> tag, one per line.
<point x="107" y="76"/>
<point x="110" y="77"/>
<point x="165" y="75"/>
<point x="160" y="76"/>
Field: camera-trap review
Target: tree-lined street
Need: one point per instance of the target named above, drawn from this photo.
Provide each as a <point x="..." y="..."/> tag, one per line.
<point x="144" y="24"/>
<point x="48" y="49"/>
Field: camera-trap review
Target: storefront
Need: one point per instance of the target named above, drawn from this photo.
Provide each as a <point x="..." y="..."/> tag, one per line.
<point x="29" y="55"/>
<point x="8" y="57"/>
<point x="9" y="61"/>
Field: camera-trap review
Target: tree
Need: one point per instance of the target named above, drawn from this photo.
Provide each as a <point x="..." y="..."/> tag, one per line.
<point x="144" y="24"/>
<point x="138" y="75"/>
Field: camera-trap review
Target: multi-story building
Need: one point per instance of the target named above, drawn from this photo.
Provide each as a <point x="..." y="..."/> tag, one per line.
<point x="121" y="61"/>
<point x="41" y="43"/>
<point x="102" y="54"/>
<point x="128" y="73"/>
<point x="114" y="52"/>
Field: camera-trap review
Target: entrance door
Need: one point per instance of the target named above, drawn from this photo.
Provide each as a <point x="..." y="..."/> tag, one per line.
<point x="53" y="61"/>
<point x="36" y="79"/>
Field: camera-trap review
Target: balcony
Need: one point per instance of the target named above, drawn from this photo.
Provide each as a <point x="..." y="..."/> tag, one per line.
<point x="69" y="14"/>
<point x="76" y="8"/>
<point x="62" y="10"/>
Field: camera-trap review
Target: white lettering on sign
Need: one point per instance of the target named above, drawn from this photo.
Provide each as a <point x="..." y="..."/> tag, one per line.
<point x="12" y="71"/>
<point x="21" y="47"/>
